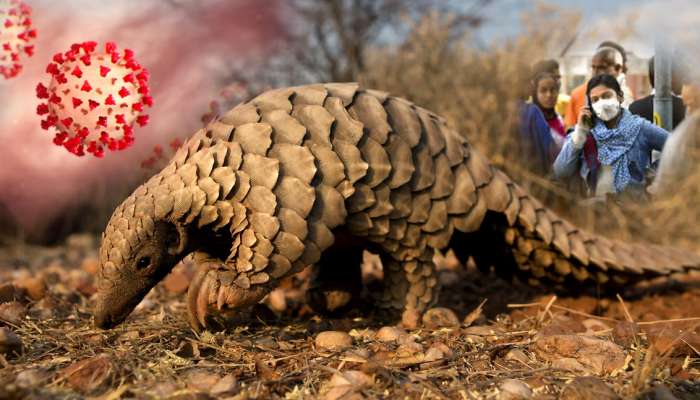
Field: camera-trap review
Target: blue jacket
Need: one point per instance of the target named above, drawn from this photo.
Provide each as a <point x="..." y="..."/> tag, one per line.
<point x="536" y="138"/>
<point x="651" y="137"/>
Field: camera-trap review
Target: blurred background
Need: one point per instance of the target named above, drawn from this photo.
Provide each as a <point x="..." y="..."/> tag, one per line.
<point x="465" y="60"/>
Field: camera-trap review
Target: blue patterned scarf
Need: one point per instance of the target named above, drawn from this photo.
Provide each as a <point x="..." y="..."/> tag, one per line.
<point x="614" y="145"/>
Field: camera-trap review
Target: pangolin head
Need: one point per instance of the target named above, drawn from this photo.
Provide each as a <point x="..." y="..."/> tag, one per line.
<point x="135" y="254"/>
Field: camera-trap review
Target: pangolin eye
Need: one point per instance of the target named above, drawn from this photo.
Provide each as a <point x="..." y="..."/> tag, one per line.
<point x="143" y="262"/>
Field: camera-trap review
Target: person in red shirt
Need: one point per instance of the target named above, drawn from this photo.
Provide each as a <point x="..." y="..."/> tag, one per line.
<point x="606" y="61"/>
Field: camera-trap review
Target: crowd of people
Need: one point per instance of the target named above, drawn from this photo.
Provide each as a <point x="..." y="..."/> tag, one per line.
<point x="598" y="141"/>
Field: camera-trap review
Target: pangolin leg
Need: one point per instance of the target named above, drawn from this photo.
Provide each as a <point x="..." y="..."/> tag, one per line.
<point x="410" y="286"/>
<point x="192" y="297"/>
<point x="337" y="281"/>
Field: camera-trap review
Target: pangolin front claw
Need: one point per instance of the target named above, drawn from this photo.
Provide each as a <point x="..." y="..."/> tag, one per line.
<point x="216" y="287"/>
<point x="195" y="314"/>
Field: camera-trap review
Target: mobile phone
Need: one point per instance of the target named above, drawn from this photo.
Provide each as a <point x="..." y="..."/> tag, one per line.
<point x="589" y="121"/>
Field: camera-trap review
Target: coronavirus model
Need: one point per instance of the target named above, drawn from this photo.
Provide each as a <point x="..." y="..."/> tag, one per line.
<point x="94" y="98"/>
<point x="16" y="35"/>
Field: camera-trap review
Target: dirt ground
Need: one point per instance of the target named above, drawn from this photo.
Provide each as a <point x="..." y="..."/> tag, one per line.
<point x="523" y="343"/>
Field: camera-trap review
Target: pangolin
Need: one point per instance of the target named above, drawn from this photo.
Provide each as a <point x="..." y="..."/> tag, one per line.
<point x="278" y="183"/>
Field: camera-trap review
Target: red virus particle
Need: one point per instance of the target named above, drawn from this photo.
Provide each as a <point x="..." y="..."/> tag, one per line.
<point x="158" y="155"/>
<point x="16" y="35"/>
<point x="94" y="98"/>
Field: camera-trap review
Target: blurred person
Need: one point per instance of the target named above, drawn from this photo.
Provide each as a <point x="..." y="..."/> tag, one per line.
<point x="606" y="60"/>
<point x="623" y="141"/>
<point x="681" y="153"/>
<point x="545" y="92"/>
<point x="552" y="66"/>
<point x="644" y="107"/>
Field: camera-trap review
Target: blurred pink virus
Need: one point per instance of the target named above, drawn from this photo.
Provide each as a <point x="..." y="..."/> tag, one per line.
<point x="16" y="34"/>
<point x="94" y="99"/>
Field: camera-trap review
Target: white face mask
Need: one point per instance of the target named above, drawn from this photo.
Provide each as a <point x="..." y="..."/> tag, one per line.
<point x="606" y="109"/>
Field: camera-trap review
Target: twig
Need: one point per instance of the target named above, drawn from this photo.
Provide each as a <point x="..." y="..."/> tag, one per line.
<point x="624" y="308"/>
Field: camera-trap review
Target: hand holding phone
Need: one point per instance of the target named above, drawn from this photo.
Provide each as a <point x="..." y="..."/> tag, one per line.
<point x="585" y="117"/>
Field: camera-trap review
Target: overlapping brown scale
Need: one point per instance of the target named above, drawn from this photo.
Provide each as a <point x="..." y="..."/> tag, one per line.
<point x="344" y="91"/>
<point x="437" y="219"/>
<point x="276" y="99"/>
<point x="199" y="200"/>
<point x="471" y="221"/>
<point x="444" y="179"/>
<point x="292" y="222"/>
<point x="432" y="134"/>
<point x="544" y="227"/>
<point x="355" y="167"/>
<point x="286" y="129"/>
<point x="498" y="196"/>
<point x="263" y="171"/>
<point x="424" y="175"/>
<point x="225" y="214"/>
<point x="441" y="239"/>
<point x="288" y="246"/>
<point x="210" y="188"/>
<point x="454" y="147"/>
<point x="463" y="196"/>
<point x="379" y="229"/>
<point x="362" y="199"/>
<point x="309" y="94"/>
<point x="401" y="159"/>
<point x="527" y="216"/>
<point x="329" y="207"/>
<point x="368" y="109"/>
<point x="330" y="168"/>
<point x="420" y="207"/>
<point x="480" y="169"/>
<point x="404" y="120"/>
<point x="578" y="248"/>
<point x="345" y="128"/>
<point x="243" y="113"/>
<point x="207" y="215"/>
<point x="261" y="199"/>
<point x="220" y="130"/>
<point x="359" y="224"/>
<point x="226" y="179"/>
<point x="397" y="229"/>
<point x="254" y="137"/>
<point x="317" y="121"/>
<point x="377" y="158"/>
<point x="264" y="224"/>
<point x="294" y="194"/>
<point x="382" y="206"/>
<point x="401" y="200"/>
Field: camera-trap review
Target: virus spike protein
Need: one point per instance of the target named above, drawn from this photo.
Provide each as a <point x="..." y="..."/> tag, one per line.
<point x="16" y="34"/>
<point x="94" y="99"/>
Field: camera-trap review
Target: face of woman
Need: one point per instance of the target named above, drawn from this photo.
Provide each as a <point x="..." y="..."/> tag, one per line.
<point x="605" y="102"/>
<point x="547" y="92"/>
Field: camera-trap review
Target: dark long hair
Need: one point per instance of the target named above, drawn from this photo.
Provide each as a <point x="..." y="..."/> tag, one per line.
<point x="608" y="81"/>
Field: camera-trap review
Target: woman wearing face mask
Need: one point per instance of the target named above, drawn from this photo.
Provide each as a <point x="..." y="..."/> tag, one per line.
<point x="623" y="144"/>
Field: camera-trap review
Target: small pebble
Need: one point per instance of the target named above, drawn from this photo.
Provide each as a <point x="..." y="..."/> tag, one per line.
<point x="440" y="317"/>
<point x="513" y="389"/>
<point x="389" y="334"/>
<point x="12" y="312"/>
<point x="333" y="340"/>
<point x="225" y="386"/>
<point x="587" y="388"/>
<point x="10" y="343"/>
<point x="344" y="385"/>
<point x="35" y="287"/>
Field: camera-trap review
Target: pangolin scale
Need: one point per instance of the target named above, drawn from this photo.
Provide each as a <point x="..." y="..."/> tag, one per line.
<point x="262" y="192"/>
